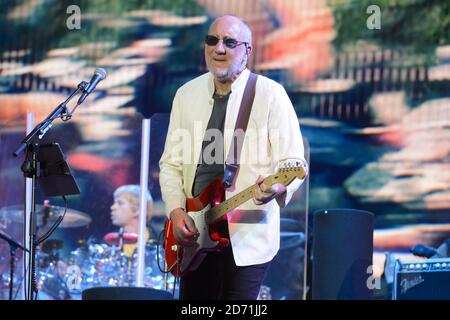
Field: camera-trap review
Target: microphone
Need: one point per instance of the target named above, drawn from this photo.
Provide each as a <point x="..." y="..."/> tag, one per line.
<point x="98" y="76"/>
<point x="423" y="251"/>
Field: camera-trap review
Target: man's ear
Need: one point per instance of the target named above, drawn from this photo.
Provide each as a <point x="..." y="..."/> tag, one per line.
<point x="136" y="210"/>
<point x="249" y="49"/>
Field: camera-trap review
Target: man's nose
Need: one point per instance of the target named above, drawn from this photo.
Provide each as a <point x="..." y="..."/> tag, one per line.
<point x="220" y="47"/>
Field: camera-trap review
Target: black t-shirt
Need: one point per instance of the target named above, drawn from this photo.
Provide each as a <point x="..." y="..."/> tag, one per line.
<point x="211" y="162"/>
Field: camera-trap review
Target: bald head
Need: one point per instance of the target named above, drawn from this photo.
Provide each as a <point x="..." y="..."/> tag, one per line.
<point x="235" y="23"/>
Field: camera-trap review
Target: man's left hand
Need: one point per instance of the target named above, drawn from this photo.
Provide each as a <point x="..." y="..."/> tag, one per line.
<point x="266" y="193"/>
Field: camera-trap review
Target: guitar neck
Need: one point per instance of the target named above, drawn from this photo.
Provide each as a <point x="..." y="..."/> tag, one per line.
<point x="234" y="202"/>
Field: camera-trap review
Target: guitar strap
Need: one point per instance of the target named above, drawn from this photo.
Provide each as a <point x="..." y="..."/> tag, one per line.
<point x="232" y="162"/>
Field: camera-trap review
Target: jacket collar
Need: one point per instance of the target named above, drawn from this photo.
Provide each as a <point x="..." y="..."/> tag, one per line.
<point x="240" y="81"/>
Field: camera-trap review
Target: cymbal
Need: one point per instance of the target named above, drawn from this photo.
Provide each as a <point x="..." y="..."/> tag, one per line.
<point x="291" y="239"/>
<point x="113" y="238"/>
<point x="47" y="215"/>
<point x="285" y="234"/>
<point x="290" y="234"/>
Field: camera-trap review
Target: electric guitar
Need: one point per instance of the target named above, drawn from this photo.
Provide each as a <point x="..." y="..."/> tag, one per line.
<point x="207" y="210"/>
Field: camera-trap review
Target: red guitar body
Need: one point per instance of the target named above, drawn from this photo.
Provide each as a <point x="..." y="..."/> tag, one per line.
<point x="182" y="260"/>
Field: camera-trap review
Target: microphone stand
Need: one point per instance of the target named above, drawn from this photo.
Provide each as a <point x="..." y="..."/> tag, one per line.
<point x="60" y="112"/>
<point x="13" y="245"/>
<point x="31" y="169"/>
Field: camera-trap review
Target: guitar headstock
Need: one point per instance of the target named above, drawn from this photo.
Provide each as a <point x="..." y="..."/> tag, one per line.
<point x="288" y="171"/>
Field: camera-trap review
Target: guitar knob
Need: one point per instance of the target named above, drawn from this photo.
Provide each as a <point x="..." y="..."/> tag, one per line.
<point x="174" y="247"/>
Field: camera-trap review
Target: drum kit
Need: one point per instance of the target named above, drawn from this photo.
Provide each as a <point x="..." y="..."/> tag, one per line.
<point x="90" y="265"/>
<point x="96" y="264"/>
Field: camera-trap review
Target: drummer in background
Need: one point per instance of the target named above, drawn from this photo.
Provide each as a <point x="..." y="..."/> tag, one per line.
<point x="125" y="214"/>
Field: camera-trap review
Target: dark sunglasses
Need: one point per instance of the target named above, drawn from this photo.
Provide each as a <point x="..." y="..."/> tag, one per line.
<point x="228" y="42"/>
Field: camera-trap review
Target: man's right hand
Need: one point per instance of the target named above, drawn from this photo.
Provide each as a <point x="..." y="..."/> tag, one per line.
<point x="184" y="228"/>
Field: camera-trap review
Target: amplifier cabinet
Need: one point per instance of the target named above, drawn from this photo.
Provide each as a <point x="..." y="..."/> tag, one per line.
<point x="422" y="280"/>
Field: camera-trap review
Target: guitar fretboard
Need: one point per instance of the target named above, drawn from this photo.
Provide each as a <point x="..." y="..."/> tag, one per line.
<point x="235" y="201"/>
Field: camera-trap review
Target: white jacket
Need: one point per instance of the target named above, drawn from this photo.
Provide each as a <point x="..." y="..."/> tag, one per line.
<point x="273" y="135"/>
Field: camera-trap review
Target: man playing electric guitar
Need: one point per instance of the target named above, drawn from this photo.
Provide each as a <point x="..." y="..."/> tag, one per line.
<point x="220" y="243"/>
